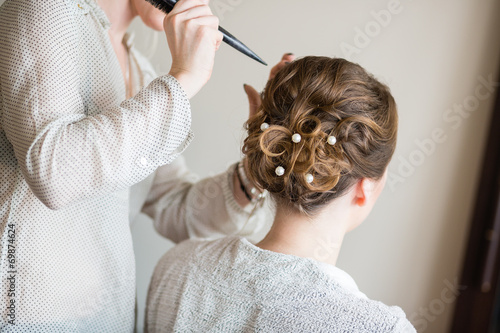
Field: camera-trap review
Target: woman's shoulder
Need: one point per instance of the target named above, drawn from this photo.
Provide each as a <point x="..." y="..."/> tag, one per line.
<point x="195" y="249"/>
<point x="321" y="301"/>
<point x="202" y="246"/>
<point x="40" y="9"/>
<point x="38" y="21"/>
<point x="193" y="256"/>
<point x="334" y="290"/>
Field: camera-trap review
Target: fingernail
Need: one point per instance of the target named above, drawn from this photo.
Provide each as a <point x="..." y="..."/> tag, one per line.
<point x="289" y="54"/>
<point x="244" y="85"/>
<point x="287" y="62"/>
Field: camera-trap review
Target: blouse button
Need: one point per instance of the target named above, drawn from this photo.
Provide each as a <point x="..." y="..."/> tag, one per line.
<point x="143" y="161"/>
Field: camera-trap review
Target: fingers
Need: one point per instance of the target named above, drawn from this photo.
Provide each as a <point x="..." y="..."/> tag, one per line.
<point x="210" y="25"/>
<point x="253" y="95"/>
<point x="219" y="39"/>
<point x="200" y="14"/>
<point x="211" y="22"/>
<point x="194" y="12"/>
<point x="193" y="38"/>
<point x="183" y="5"/>
<point x="288" y="57"/>
<point x="254" y="99"/>
<point x="285" y="60"/>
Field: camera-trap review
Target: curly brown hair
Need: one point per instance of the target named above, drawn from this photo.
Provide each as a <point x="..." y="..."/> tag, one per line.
<point x="317" y="97"/>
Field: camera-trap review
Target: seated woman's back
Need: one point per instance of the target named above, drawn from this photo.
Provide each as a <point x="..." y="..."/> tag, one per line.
<point x="231" y="285"/>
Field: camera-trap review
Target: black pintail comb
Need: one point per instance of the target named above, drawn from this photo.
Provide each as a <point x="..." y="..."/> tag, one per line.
<point x="167" y="5"/>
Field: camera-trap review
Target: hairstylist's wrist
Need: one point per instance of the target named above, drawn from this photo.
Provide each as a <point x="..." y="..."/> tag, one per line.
<point x="186" y="82"/>
<point x="193" y="38"/>
<point x="238" y="190"/>
<point x="252" y="192"/>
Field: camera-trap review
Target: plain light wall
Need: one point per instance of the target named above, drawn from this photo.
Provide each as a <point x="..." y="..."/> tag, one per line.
<point x="434" y="55"/>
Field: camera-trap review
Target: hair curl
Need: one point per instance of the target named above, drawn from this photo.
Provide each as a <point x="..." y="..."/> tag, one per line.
<point x="317" y="97"/>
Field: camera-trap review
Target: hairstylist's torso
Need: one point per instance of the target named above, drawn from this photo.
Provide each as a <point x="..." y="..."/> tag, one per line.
<point x="69" y="150"/>
<point x="75" y="264"/>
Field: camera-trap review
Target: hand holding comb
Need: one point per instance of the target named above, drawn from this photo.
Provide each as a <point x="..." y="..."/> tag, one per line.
<point x="167" y="5"/>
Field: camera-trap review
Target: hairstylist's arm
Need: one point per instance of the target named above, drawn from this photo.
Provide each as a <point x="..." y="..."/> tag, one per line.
<point x="193" y="37"/>
<point x="182" y="207"/>
<point x="68" y="149"/>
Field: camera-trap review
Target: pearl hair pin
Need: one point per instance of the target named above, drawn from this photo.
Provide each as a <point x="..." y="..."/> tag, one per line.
<point x="309" y="178"/>
<point x="332" y="140"/>
<point x="280" y="171"/>
<point x="296" y="138"/>
<point x="264" y="126"/>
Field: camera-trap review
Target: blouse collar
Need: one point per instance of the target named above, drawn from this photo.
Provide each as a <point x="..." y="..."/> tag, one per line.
<point x="99" y="13"/>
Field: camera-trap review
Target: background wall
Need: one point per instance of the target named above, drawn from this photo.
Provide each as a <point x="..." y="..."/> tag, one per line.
<point x="437" y="57"/>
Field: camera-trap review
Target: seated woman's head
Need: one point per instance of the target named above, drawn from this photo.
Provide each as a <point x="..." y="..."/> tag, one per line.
<point x="347" y="123"/>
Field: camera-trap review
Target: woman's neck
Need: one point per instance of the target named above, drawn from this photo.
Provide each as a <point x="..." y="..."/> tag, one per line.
<point x="120" y="14"/>
<point x="319" y="237"/>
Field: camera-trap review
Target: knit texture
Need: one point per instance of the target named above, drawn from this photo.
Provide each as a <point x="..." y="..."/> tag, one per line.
<point x="230" y="285"/>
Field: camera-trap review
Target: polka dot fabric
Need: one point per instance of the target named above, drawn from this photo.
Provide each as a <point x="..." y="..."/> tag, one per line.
<point x="70" y="148"/>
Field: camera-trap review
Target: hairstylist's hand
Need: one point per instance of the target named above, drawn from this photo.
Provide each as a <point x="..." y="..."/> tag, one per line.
<point x="193" y="38"/>
<point x="253" y="95"/>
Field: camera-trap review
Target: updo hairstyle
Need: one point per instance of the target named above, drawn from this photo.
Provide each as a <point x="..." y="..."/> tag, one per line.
<point x="318" y="97"/>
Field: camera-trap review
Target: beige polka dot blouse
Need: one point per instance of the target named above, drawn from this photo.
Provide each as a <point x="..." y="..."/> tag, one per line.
<point x="71" y="147"/>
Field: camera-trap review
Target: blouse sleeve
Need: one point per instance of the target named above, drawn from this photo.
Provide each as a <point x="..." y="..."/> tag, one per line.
<point x="65" y="155"/>
<point x="182" y="206"/>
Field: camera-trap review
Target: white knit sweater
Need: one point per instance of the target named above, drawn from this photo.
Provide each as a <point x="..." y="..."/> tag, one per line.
<point x="230" y="285"/>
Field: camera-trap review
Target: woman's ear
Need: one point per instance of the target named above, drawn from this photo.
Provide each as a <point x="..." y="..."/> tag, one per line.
<point x="368" y="190"/>
<point x="364" y="192"/>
